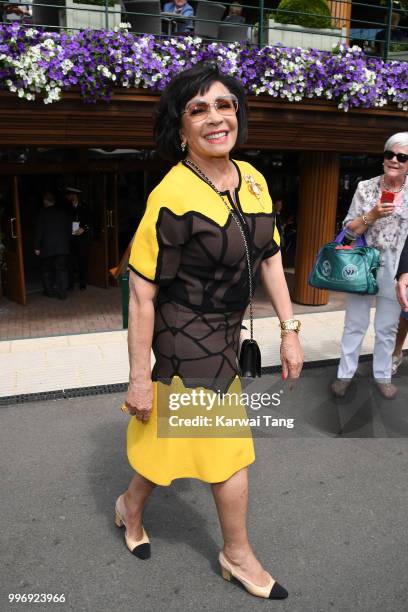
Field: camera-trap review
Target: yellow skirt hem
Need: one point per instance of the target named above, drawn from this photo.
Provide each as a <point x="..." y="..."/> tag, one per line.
<point x="220" y="478"/>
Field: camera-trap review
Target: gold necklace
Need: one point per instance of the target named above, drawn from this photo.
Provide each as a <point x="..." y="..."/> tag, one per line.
<point x="394" y="190"/>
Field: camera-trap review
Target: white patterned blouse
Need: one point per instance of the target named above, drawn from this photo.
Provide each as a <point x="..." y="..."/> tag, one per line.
<point x="387" y="234"/>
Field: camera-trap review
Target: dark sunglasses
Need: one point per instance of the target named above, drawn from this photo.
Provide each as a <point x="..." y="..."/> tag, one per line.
<point x="401" y="157"/>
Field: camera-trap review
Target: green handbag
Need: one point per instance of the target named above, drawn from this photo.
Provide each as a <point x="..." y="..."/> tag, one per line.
<point x="349" y="269"/>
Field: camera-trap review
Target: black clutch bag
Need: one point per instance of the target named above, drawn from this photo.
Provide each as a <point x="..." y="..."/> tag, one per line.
<point x="250" y="359"/>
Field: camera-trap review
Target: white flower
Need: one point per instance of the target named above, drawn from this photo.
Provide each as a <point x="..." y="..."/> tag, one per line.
<point x="31" y="32"/>
<point x="66" y="66"/>
<point x="48" y="44"/>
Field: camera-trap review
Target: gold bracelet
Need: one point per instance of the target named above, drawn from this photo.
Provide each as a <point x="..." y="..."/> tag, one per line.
<point x="289" y="325"/>
<point x="366" y="221"/>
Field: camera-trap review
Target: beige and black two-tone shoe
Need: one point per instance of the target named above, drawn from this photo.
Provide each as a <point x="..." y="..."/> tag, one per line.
<point x="272" y="590"/>
<point x="139" y="548"/>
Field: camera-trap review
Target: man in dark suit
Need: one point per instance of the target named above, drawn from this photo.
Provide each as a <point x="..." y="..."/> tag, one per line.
<point x="52" y="245"/>
<point x="79" y="239"/>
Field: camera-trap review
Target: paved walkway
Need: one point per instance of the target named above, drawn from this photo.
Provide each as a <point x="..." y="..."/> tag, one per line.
<point x="82" y="360"/>
<point x="100" y="310"/>
<point x="92" y="310"/>
<point x="327" y="518"/>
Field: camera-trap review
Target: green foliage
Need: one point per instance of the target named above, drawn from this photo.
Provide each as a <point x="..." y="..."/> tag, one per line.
<point x="398" y="46"/>
<point x="271" y="15"/>
<point x="306" y="13"/>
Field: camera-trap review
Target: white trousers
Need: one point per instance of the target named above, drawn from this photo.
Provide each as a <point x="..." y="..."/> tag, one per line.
<point x="356" y="322"/>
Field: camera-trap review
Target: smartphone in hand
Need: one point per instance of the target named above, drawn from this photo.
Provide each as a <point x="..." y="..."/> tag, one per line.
<point x="387" y="197"/>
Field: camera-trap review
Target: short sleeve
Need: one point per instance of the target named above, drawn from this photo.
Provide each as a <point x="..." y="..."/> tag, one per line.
<point x="274" y="246"/>
<point x="157" y="245"/>
<point x="356" y="207"/>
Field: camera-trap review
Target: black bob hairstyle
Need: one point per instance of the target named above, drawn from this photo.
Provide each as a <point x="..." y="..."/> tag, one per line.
<point x="179" y="91"/>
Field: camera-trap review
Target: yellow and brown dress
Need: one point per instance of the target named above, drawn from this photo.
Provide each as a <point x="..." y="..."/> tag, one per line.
<point x="190" y="246"/>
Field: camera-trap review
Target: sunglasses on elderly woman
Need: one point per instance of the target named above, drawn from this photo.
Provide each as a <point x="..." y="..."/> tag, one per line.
<point x="224" y="105"/>
<point x="401" y="157"/>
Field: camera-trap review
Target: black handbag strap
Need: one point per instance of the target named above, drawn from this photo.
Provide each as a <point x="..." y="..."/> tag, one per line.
<point x="240" y="224"/>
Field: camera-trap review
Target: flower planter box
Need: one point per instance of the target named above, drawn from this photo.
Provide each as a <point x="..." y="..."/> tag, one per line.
<point x="296" y="36"/>
<point x="92" y="16"/>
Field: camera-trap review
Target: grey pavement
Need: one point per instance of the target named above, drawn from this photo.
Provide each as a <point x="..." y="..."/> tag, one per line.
<point x="327" y="517"/>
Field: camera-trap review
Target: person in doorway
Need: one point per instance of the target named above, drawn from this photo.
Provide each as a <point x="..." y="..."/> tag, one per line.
<point x="181" y="8"/>
<point x="52" y="245"/>
<point x="402" y="290"/>
<point x="79" y="238"/>
<point x="278" y="207"/>
<point x="189" y="288"/>
<point x="385" y="225"/>
<point x="285" y="224"/>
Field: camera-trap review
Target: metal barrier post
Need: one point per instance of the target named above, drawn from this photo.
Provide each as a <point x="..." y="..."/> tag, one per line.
<point x="261" y="23"/>
<point x="389" y="25"/>
<point x="107" y="14"/>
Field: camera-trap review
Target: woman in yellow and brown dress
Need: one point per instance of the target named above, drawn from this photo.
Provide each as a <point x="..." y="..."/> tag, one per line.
<point x="189" y="288"/>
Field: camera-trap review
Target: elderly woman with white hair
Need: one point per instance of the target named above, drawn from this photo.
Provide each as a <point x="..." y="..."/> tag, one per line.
<point x="380" y="211"/>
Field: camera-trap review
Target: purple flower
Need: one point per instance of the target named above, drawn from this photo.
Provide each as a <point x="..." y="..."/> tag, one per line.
<point x="34" y="61"/>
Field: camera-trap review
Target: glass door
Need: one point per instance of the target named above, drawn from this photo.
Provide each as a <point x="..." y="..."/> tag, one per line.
<point x="98" y="269"/>
<point x="112" y="223"/>
<point x="12" y="264"/>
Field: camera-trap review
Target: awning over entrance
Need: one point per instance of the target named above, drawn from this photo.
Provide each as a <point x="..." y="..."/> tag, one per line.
<point x="317" y="130"/>
<point x="127" y="121"/>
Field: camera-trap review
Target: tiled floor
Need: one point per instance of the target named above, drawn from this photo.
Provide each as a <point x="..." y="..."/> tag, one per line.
<point x="82" y="312"/>
<point x="97" y="310"/>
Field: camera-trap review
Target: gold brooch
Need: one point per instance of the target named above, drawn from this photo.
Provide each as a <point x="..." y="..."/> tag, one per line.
<point x="254" y="187"/>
